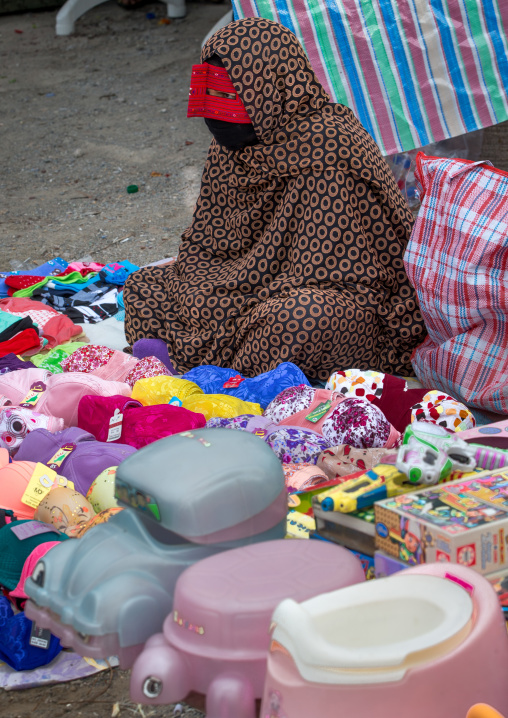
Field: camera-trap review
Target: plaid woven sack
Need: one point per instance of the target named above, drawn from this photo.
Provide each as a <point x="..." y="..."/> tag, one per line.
<point x="457" y="260"/>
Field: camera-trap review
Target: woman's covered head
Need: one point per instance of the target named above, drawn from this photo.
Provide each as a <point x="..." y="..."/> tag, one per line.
<point x="269" y="70"/>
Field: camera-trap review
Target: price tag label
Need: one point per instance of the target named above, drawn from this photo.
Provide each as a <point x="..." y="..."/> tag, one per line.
<point x="233" y="382"/>
<point x="40" y="484"/>
<point x="40" y="637"/>
<point x="32" y="528"/>
<point x="59" y="457"/>
<point x="115" y="426"/>
<point x="34" y="395"/>
<point x="320" y="410"/>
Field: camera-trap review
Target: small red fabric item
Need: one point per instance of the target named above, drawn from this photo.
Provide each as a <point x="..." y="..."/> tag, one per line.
<point x="397" y="401"/>
<point x="207" y="77"/>
<point x="22" y="281"/>
<point x="57" y="328"/>
<point x="21" y="343"/>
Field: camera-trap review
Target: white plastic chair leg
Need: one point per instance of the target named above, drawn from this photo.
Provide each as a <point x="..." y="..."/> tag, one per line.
<point x="70" y="12"/>
<point x="74" y="9"/>
<point x="176" y="8"/>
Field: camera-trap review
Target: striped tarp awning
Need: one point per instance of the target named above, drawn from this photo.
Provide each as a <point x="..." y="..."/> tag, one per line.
<point x="413" y="71"/>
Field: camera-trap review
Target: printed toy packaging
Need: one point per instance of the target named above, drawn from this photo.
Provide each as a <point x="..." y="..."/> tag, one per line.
<point x="464" y="521"/>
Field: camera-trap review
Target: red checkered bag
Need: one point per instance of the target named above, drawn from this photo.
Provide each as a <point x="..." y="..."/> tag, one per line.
<point x="457" y="260"/>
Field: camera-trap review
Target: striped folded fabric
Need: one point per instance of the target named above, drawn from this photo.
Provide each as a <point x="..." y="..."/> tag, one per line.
<point x="457" y="260"/>
<point x="413" y="71"/>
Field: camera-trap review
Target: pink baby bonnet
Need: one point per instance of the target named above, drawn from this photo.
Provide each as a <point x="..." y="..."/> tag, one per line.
<point x="55" y="394"/>
<point x="113" y="365"/>
<point x="29" y="565"/>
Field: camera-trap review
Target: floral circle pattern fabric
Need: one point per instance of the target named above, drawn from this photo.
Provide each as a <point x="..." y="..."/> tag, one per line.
<point x="296" y="446"/>
<point x="289" y="402"/>
<point x="237" y="422"/>
<point x="87" y="358"/>
<point x="358" y="384"/>
<point x="295" y="250"/>
<point x="439" y="408"/>
<point x="358" y="423"/>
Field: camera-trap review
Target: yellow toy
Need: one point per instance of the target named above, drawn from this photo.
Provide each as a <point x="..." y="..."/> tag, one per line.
<point x="381" y="482"/>
<point x="482" y="710"/>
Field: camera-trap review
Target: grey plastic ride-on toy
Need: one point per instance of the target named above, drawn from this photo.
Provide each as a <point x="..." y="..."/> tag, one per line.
<point x="188" y="496"/>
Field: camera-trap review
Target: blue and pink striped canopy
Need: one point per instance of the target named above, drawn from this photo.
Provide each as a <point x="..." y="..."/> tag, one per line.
<point x="413" y="71"/>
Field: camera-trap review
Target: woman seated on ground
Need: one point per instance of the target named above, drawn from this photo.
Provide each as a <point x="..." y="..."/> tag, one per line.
<point x="295" y="251"/>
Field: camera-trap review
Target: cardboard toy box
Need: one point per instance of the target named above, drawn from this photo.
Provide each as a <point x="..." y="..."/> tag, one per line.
<point x="499" y="582"/>
<point x="355" y="531"/>
<point x="464" y="521"/>
<point x="489" y="435"/>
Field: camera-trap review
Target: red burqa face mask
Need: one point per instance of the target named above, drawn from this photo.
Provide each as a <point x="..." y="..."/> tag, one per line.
<point x="212" y="95"/>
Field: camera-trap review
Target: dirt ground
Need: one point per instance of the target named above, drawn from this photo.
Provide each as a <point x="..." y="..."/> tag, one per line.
<point x="103" y="695"/>
<point x="84" y="116"/>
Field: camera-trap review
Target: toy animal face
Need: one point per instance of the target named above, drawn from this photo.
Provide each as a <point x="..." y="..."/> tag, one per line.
<point x="64" y="508"/>
<point x="13" y="429"/>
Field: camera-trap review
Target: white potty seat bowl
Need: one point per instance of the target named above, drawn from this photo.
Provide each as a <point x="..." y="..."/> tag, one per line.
<point x="373" y="632"/>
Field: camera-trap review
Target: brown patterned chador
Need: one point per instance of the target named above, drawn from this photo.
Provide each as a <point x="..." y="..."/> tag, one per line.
<point x="296" y="244"/>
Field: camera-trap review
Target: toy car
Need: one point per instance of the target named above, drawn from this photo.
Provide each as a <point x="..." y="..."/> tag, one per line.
<point x="188" y="496"/>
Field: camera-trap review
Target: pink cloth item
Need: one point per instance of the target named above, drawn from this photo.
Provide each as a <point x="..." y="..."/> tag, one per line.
<point x="113" y="365"/>
<point x="87" y="358"/>
<point x="16" y="422"/>
<point x="139" y="425"/>
<point x="146" y="368"/>
<point x="57" y="328"/>
<point x="55" y="395"/>
<point x="320" y="397"/>
<point x="29" y="565"/>
<point x="14" y="478"/>
<point x="83" y="268"/>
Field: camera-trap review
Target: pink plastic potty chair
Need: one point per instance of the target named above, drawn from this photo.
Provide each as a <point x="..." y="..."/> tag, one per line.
<point x="216" y="639"/>
<point x="427" y="642"/>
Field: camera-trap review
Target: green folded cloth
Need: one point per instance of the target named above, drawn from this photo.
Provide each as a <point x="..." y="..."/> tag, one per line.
<point x="53" y="359"/>
<point x="72" y="278"/>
